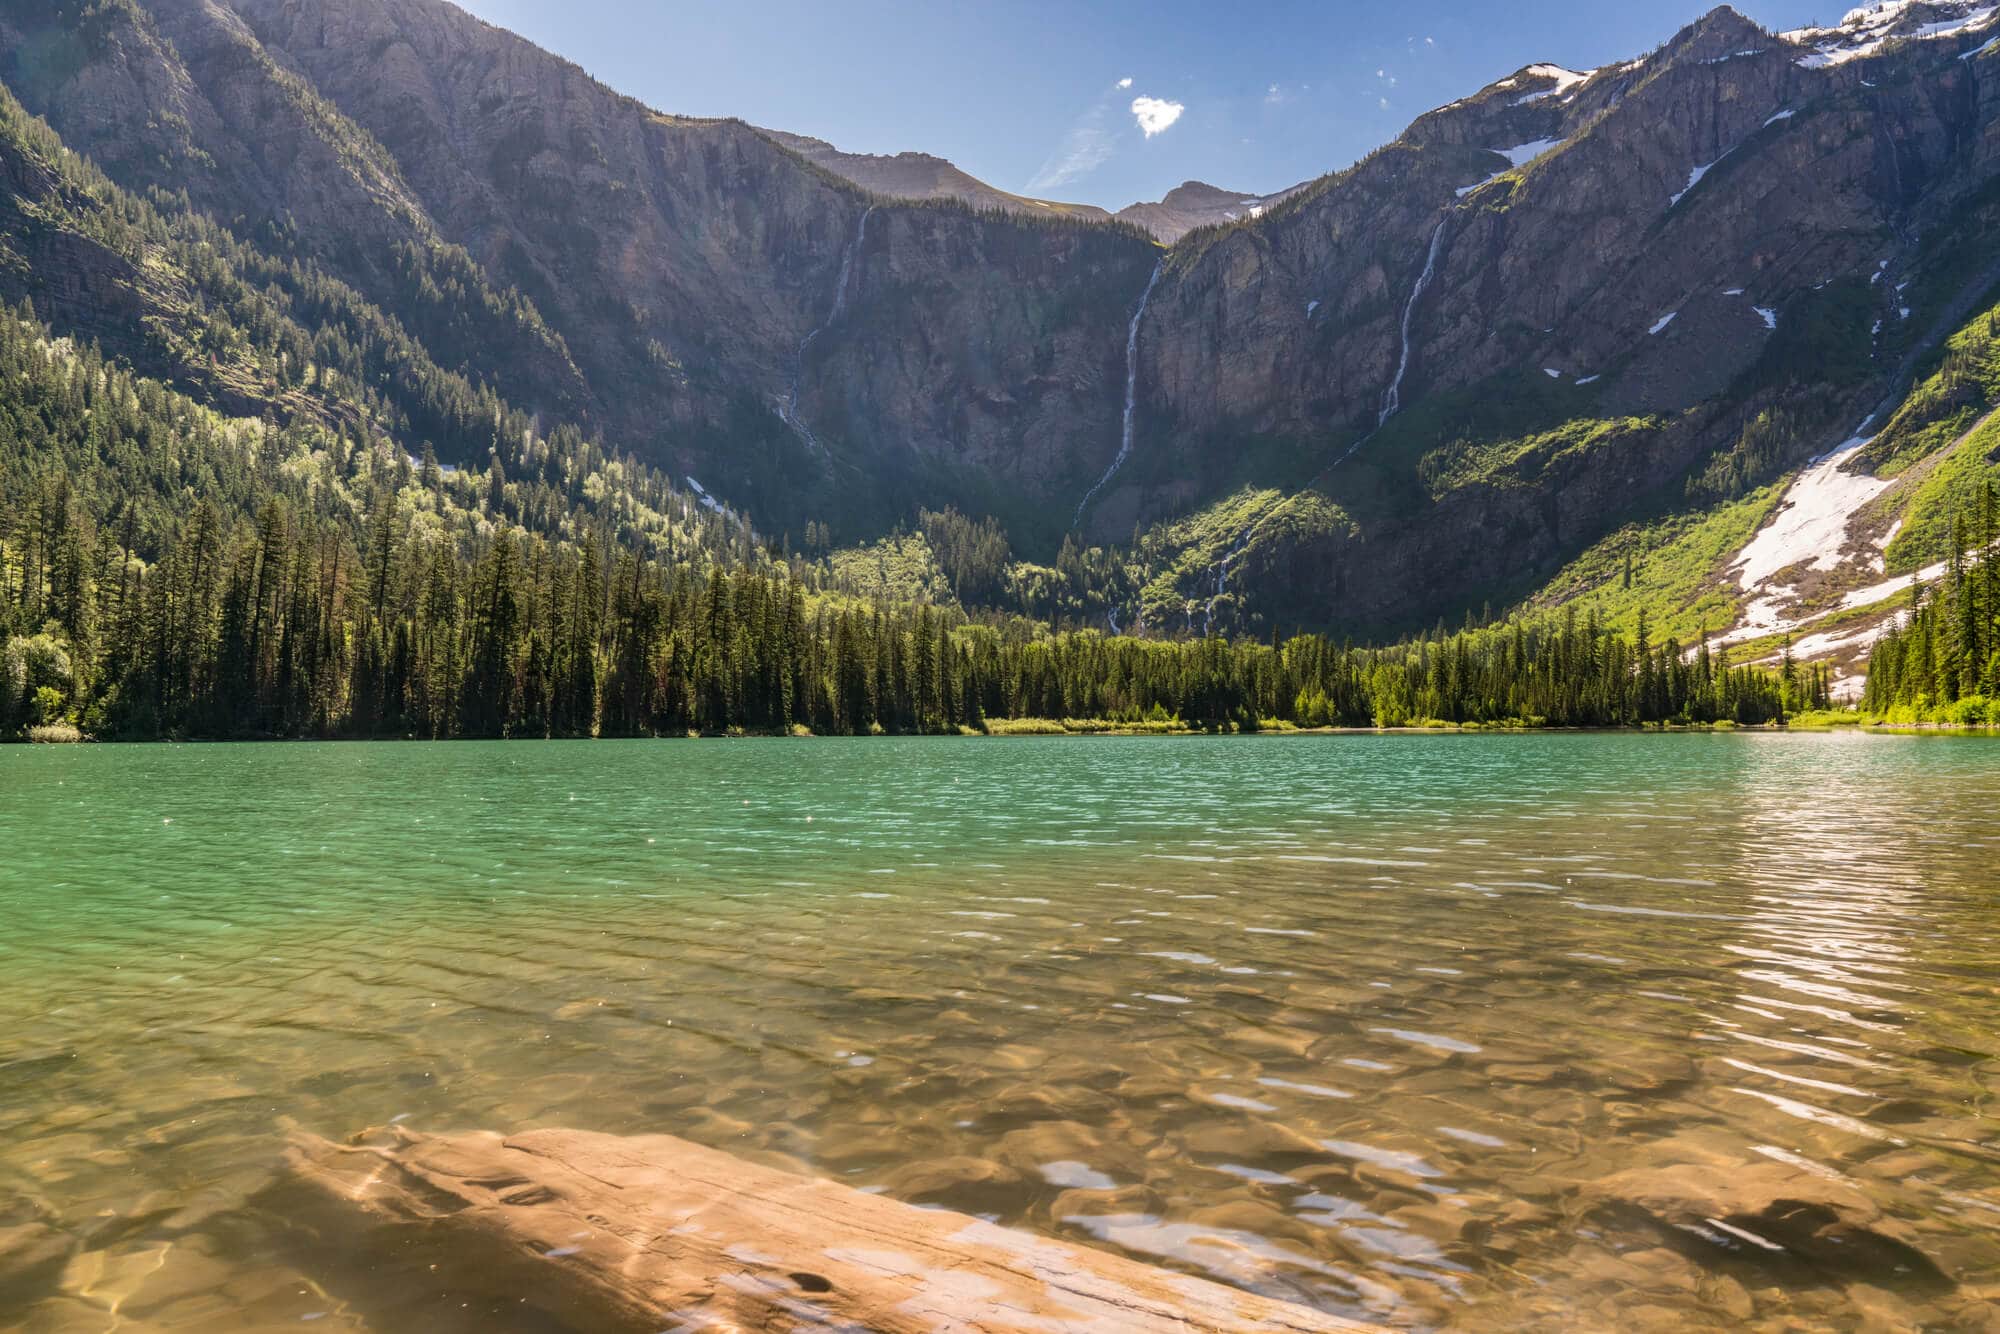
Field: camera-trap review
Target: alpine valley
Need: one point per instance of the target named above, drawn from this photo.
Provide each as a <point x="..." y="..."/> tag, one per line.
<point x="1700" y="347"/>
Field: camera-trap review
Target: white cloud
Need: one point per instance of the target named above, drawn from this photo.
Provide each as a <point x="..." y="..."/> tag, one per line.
<point x="1125" y="82"/>
<point x="1155" y="114"/>
<point x="1383" y="103"/>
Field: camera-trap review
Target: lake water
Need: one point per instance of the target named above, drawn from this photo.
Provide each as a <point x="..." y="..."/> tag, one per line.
<point x="1400" y="1027"/>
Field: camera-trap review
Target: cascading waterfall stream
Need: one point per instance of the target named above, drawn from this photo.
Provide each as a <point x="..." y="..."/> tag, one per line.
<point x="1222" y="577"/>
<point x="790" y="411"/>
<point x="1392" y="401"/>
<point x="1131" y="395"/>
<point x="847" y="265"/>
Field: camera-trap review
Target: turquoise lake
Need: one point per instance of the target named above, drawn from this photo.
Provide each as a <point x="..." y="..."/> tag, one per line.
<point x="1415" y="1029"/>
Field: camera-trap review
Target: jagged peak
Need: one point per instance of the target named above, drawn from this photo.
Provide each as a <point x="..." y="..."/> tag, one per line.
<point x="1720" y="34"/>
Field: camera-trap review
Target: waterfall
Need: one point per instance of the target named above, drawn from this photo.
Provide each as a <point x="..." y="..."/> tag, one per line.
<point x="1222" y="574"/>
<point x="1393" y="400"/>
<point x="847" y="265"/>
<point x="1131" y="395"/>
<point x="790" y="411"/>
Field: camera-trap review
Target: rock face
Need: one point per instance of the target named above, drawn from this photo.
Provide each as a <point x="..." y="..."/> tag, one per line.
<point x="1717" y="229"/>
<point x="650" y="1231"/>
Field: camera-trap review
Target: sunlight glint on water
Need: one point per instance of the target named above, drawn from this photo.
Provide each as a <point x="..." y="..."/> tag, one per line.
<point x="1370" y="1023"/>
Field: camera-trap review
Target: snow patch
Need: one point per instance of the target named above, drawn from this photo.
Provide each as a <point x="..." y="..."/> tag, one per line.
<point x="1662" y="322"/>
<point x="1565" y="80"/>
<point x="1518" y="156"/>
<point x="1770" y="316"/>
<point x="1786" y="114"/>
<point x="1964" y="23"/>
<point x="1888" y="588"/>
<point x="1522" y="154"/>
<point x="1865" y="31"/>
<point x="1694" y="179"/>
<point x="1552" y="372"/>
<point x="1812" y="518"/>
<point x="708" y="502"/>
<point x="1311" y="306"/>
<point x="1590" y="379"/>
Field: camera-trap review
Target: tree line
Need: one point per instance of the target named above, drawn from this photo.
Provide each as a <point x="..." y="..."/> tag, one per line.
<point x="290" y="624"/>
<point x="1940" y="662"/>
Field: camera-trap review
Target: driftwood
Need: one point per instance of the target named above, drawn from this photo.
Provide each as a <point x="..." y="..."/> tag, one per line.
<point x="652" y="1232"/>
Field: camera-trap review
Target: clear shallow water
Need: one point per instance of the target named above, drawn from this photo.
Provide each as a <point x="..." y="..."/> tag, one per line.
<point x="1365" y="1022"/>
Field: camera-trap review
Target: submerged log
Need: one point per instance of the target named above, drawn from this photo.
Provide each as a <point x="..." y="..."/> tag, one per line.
<point x="650" y="1232"/>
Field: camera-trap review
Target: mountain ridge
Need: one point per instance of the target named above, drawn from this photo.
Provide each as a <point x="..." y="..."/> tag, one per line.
<point x="1424" y="382"/>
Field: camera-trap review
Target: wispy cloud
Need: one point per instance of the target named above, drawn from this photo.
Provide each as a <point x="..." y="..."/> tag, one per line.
<point x="1082" y="150"/>
<point x="1155" y="114"/>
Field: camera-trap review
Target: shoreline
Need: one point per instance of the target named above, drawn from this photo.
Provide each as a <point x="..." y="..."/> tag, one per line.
<point x="1052" y="728"/>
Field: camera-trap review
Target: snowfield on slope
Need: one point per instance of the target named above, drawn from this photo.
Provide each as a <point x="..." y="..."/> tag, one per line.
<point x="1866" y="31"/>
<point x="1811" y="522"/>
<point x="1811" y="528"/>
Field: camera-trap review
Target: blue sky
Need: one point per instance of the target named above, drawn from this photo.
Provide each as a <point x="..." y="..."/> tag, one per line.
<point x="1030" y="95"/>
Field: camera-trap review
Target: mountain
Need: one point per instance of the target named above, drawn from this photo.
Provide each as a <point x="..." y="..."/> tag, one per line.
<point x="1195" y="204"/>
<point x="1560" y="342"/>
<point x="921" y="176"/>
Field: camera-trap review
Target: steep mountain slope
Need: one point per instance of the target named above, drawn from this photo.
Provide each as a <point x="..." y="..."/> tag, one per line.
<point x="1573" y="306"/>
<point x="182" y="98"/>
